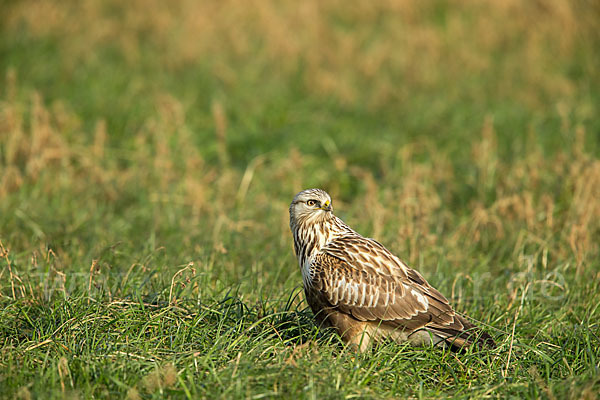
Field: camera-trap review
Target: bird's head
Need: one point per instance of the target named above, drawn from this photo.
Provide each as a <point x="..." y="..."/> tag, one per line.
<point x="310" y="205"/>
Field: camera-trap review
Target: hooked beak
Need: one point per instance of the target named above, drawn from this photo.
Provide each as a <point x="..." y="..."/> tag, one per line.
<point x="326" y="206"/>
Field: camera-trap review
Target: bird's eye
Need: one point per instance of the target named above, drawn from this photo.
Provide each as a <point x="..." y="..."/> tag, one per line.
<point x="311" y="203"/>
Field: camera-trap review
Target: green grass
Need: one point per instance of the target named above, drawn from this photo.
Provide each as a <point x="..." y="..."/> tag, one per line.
<point x="149" y="152"/>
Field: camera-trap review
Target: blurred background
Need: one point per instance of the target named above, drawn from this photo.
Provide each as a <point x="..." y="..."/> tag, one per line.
<point x="189" y="126"/>
<point x="149" y="151"/>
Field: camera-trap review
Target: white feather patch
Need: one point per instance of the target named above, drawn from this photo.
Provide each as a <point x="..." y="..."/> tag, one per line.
<point x="420" y="298"/>
<point x="307" y="273"/>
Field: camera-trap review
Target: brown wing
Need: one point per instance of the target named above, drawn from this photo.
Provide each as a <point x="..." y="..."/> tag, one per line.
<point x="360" y="277"/>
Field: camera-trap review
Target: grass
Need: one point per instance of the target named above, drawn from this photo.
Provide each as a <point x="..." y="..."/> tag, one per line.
<point x="149" y="152"/>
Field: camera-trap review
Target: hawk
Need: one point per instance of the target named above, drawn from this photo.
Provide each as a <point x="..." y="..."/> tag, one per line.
<point x="357" y="286"/>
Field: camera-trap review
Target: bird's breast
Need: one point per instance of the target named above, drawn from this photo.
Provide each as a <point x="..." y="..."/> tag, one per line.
<point x="306" y="266"/>
<point x="309" y="241"/>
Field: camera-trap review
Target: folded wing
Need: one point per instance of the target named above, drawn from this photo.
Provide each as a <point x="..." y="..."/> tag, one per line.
<point x="360" y="277"/>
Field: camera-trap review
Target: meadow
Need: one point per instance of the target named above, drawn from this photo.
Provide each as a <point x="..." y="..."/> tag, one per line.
<point x="149" y="151"/>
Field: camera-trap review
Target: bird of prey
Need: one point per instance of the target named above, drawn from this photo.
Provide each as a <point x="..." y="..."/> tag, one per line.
<point x="365" y="292"/>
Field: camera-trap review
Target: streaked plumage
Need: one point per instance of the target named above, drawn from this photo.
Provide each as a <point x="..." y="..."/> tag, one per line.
<point x="360" y="288"/>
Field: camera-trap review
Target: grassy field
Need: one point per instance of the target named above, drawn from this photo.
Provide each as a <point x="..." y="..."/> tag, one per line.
<point x="149" y="151"/>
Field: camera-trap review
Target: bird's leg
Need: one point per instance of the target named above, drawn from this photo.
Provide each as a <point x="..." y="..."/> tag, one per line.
<point x="360" y="341"/>
<point x="356" y="334"/>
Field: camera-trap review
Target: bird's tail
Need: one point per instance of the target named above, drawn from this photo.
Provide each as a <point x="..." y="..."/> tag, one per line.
<point x="470" y="335"/>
